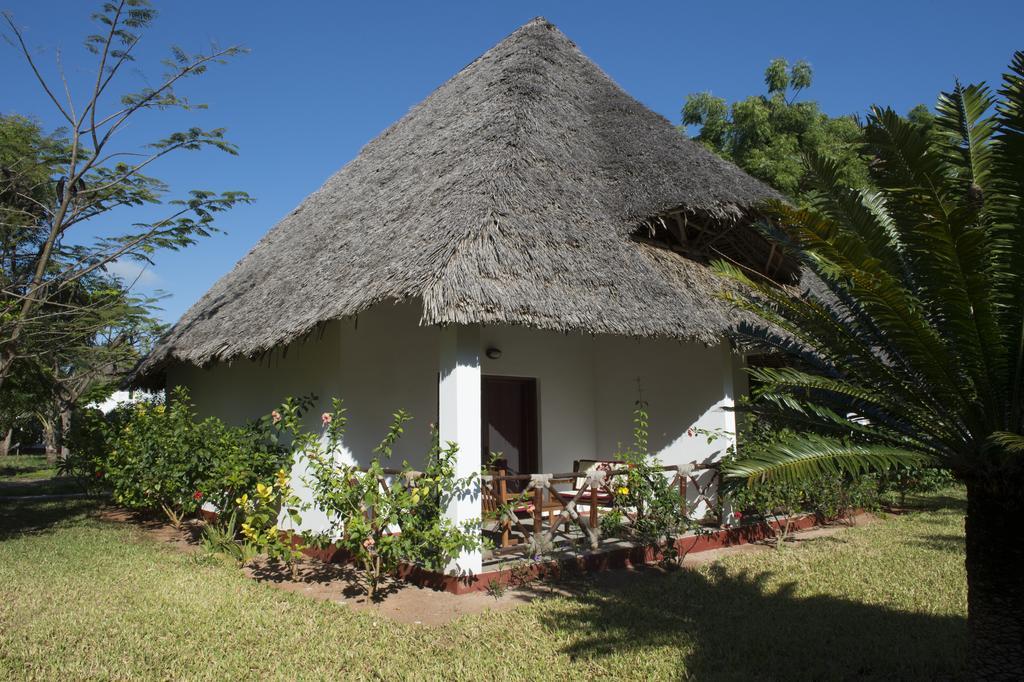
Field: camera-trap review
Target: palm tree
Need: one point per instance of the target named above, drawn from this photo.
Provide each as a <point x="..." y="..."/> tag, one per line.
<point x="908" y="334"/>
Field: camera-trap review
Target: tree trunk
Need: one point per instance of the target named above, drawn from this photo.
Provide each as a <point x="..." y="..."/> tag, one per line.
<point x="995" y="580"/>
<point x="50" y="440"/>
<point x="65" y="431"/>
<point x="5" y="444"/>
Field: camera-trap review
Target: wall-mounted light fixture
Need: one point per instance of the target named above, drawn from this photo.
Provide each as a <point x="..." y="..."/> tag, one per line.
<point x="493" y="353"/>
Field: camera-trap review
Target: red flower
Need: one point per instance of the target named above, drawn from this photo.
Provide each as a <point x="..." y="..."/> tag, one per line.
<point x="326" y="418"/>
<point x="275" y="416"/>
<point x="99" y="474"/>
<point x="738" y="515"/>
<point x="197" y="495"/>
<point x="690" y="432"/>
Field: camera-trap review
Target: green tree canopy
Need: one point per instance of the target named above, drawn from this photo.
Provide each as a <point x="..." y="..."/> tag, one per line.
<point x="766" y="135"/>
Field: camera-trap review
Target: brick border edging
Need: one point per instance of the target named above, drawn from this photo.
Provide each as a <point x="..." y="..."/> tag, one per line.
<point x="588" y="562"/>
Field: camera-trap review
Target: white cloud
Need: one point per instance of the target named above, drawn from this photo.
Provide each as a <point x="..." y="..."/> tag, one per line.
<point x="132" y="272"/>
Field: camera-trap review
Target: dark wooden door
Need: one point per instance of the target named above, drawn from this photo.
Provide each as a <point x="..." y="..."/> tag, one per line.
<point x="509" y="421"/>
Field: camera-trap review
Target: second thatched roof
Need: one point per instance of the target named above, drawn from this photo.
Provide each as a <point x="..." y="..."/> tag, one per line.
<point x="510" y="195"/>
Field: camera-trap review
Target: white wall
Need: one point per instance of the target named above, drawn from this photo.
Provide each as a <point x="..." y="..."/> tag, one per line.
<point x="683" y="385"/>
<point x="377" y="363"/>
<point x="587" y="385"/>
<point x="564" y="368"/>
<point x="118" y="398"/>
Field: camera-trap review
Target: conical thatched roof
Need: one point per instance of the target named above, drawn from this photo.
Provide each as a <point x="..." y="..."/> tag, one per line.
<point x="510" y="195"/>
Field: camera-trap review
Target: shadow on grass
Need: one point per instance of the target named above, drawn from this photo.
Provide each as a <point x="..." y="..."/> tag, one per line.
<point x="942" y="543"/>
<point x="20" y="517"/>
<point x="58" y="485"/>
<point x="734" y="627"/>
<point x="346" y="576"/>
<point x="953" y="499"/>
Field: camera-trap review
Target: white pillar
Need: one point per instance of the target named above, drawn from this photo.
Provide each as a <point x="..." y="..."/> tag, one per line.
<point x="459" y="421"/>
<point x="728" y="402"/>
<point x="730" y="367"/>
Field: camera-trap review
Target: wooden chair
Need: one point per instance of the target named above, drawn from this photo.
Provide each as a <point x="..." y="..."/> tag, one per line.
<point x="533" y="506"/>
<point x="494" y="497"/>
<point x="582" y="467"/>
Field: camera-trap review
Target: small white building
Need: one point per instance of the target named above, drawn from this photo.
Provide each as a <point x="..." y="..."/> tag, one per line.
<point x="519" y="259"/>
<point x="125" y="397"/>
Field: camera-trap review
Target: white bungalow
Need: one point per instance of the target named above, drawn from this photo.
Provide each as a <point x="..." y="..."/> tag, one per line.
<point x="519" y="259"/>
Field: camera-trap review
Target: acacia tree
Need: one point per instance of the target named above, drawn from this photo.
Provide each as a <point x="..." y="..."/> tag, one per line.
<point x="766" y="134"/>
<point x="51" y="199"/>
<point x="909" y="342"/>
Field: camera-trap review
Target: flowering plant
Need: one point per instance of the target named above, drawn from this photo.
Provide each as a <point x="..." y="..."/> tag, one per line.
<point x="386" y="517"/>
<point x="260" y="516"/>
<point x="646" y="507"/>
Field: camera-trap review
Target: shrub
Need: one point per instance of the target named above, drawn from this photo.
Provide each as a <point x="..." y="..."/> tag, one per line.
<point x="155" y="456"/>
<point x="90" y="443"/>
<point x="249" y="484"/>
<point x="780" y="500"/>
<point x="835" y="496"/>
<point x="830" y="496"/>
<point x="385" y="520"/>
<point x="222" y="539"/>
<point x="902" y="481"/>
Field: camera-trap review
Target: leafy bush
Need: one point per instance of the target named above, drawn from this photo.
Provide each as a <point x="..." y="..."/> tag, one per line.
<point x="90" y="442"/>
<point x="902" y="481"/>
<point x="830" y="496"/>
<point x="384" y="520"/>
<point x="155" y="456"/>
<point x="835" y="496"/>
<point x="221" y="539"/>
<point x="250" y="499"/>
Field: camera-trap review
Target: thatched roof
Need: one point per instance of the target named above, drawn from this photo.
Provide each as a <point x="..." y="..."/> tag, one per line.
<point x="510" y="195"/>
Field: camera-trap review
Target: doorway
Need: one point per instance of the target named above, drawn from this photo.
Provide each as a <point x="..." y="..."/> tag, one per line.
<point x="509" y="422"/>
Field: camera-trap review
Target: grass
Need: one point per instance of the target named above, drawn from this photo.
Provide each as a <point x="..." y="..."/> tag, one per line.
<point x="31" y="475"/>
<point x="82" y="598"/>
<point x="25" y="467"/>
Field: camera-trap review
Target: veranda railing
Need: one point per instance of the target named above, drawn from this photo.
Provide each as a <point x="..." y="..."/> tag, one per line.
<point x="539" y="498"/>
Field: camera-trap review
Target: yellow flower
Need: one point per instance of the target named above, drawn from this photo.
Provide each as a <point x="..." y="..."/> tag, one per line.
<point x="623" y="490"/>
<point x="415" y="498"/>
<point x="263" y="490"/>
<point x="243" y="500"/>
<point x="282" y="478"/>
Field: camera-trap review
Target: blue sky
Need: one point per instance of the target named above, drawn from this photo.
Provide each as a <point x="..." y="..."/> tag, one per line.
<point x="323" y="79"/>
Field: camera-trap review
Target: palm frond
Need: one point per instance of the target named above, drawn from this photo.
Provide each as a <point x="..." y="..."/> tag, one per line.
<point x="1007" y="209"/>
<point x="851" y="398"/>
<point x="934" y="209"/>
<point x="909" y="325"/>
<point x="869" y="236"/>
<point x="841" y="340"/>
<point x="802" y="456"/>
<point x="962" y="114"/>
<point x="1011" y="442"/>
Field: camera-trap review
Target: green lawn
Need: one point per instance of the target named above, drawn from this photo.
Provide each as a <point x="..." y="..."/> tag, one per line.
<point x="82" y="598"/>
<point x="25" y="467"/>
